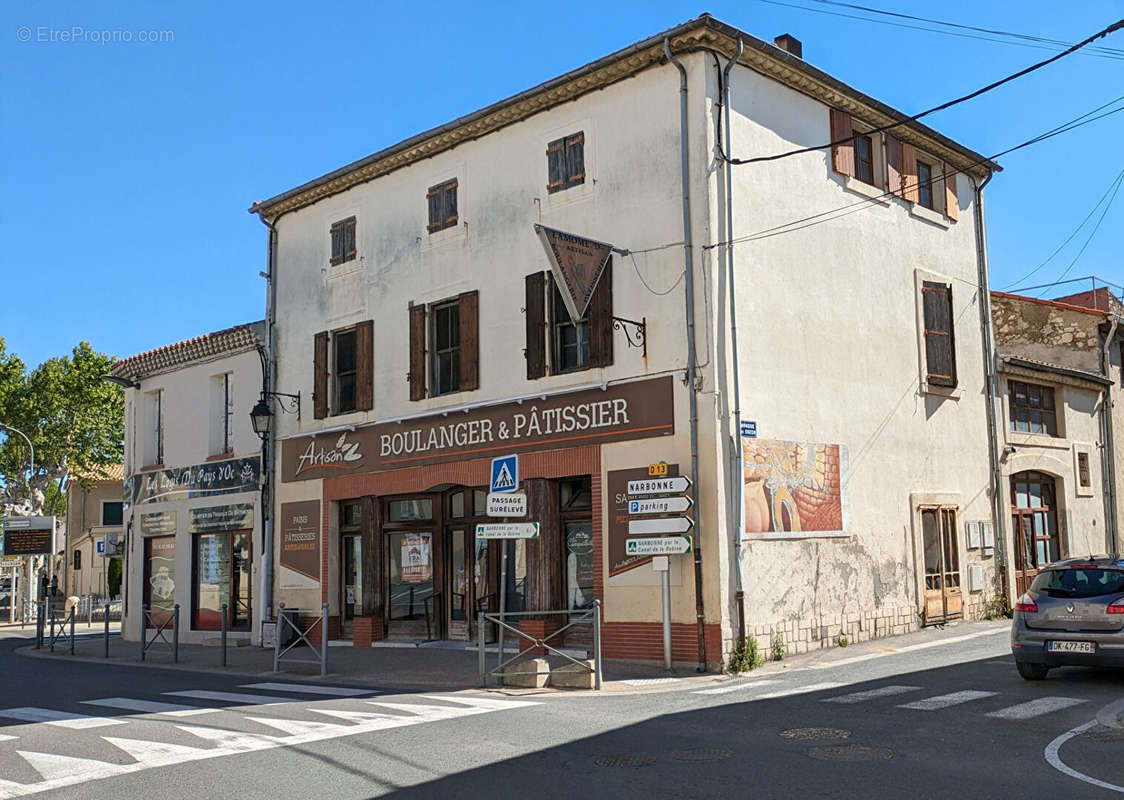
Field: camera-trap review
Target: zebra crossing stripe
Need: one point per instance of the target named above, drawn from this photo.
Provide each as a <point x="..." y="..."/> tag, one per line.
<point x="6" y="738"/>
<point x="145" y="752"/>
<point x="872" y="694"/>
<point x="811" y="687"/>
<point x="298" y="727"/>
<point x="233" y="697"/>
<point x="299" y="688"/>
<point x="62" y="719"/>
<point x="947" y="700"/>
<point x="1035" y="708"/>
<point x="735" y="687"/>
<point x="52" y="766"/>
<point x="149" y="706"/>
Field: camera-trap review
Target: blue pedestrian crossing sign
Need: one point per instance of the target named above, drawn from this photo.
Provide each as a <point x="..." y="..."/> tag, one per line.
<point x="505" y="474"/>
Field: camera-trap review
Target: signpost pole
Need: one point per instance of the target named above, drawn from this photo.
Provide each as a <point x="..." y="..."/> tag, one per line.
<point x="665" y="585"/>
<point x="106" y="628"/>
<point x="503" y="601"/>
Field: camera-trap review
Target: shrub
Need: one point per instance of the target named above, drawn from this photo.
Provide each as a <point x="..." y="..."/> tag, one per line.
<point x="745" y="657"/>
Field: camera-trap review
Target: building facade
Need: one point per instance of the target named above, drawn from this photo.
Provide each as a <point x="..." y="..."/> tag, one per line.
<point x="414" y="301"/>
<point x="192" y="510"/>
<point x="95" y="513"/>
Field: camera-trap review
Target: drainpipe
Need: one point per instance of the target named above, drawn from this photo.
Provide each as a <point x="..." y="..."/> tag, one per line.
<point x="269" y="380"/>
<point x="1108" y="455"/>
<point x="736" y="457"/>
<point x="991" y="380"/>
<point x="689" y="294"/>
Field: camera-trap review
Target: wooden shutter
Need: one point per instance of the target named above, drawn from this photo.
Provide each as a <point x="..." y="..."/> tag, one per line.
<point x="349" y="239"/>
<point x="940" y="344"/>
<point x="320" y="375"/>
<point x="535" y="305"/>
<point x="450" y="205"/>
<point x="417" y="352"/>
<point x="433" y="197"/>
<point x="843" y="145"/>
<point x="469" y="313"/>
<point x="894" y="166"/>
<point x="600" y="317"/>
<point x="555" y="165"/>
<point x="365" y="366"/>
<point x="337" y="244"/>
<point x="951" y="201"/>
<point x="909" y="174"/>
<point x="575" y="159"/>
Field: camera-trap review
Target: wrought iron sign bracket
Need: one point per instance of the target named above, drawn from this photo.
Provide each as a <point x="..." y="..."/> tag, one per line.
<point x="637" y="338"/>
<point x="289" y="403"/>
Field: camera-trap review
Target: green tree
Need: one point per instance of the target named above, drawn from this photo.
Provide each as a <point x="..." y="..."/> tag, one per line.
<point x="75" y="420"/>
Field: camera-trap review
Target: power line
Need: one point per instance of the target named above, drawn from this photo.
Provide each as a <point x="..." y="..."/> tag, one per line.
<point x="1071" y="236"/>
<point x="1105" y="32"/>
<point x="1025" y="40"/>
<point x="842" y="211"/>
<point x="1093" y="232"/>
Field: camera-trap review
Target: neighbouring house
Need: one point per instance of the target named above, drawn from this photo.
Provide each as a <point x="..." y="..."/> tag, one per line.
<point x="93" y="566"/>
<point x="192" y="510"/>
<point x="520" y="281"/>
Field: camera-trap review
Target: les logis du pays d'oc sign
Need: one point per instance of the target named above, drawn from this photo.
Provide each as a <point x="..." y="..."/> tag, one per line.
<point x="625" y="411"/>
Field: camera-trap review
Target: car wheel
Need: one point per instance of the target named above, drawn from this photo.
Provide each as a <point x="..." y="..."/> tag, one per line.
<point x="1032" y="672"/>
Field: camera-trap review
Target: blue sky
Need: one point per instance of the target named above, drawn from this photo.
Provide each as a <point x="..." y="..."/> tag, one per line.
<point x="129" y="166"/>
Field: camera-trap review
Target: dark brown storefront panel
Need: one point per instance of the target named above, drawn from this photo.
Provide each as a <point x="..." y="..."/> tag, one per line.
<point x="300" y="537"/>
<point x="616" y="526"/>
<point x="627" y="411"/>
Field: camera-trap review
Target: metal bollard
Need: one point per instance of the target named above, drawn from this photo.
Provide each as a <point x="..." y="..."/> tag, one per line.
<point x="597" y="644"/>
<point x="39" y="627"/>
<point x="144" y="628"/>
<point x="176" y="634"/>
<point x="107" y="630"/>
<point x="277" y="636"/>
<point x="480" y="647"/>
<point x="90" y="612"/>
<point x="52" y="627"/>
<point x="224" y="634"/>
<point x="324" y="640"/>
<point x="72" y="630"/>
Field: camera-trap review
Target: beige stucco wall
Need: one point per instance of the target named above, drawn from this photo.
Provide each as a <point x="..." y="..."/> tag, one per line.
<point x="83" y="528"/>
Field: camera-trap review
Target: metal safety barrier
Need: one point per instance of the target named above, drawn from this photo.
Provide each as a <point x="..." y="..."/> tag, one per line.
<point x="61" y="632"/>
<point x="148" y="621"/>
<point x="302" y="636"/>
<point x="593" y="614"/>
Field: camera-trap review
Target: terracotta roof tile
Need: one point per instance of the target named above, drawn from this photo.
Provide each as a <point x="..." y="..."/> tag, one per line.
<point x="230" y="340"/>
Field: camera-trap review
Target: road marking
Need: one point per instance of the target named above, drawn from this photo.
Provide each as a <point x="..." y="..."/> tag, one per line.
<point x="231" y="741"/>
<point x="1110" y="715"/>
<point x="649" y="681"/>
<point x="735" y="687"/>
<point x="352" y="716"/>
<point x="149" y="706"/>
<point x="907" y="649"/>
<point x="233" y="697"/>
<point x="1054" y="759"/>
<point x="811" y="687"/>
<point x="298" y="727"/>
<point x="871" y="694"/>
<point x="145" y="752"/>
<point x="62" y="719"/>
<point x="6" y="738"/>
<point x="299" y="688"/>
<point x="1043" y="705"/>
<point x="52" y="766"/>
<point x="946" y="700"/>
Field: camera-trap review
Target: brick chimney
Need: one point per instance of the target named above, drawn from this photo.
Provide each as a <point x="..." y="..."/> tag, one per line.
<point x="790" y="44"/>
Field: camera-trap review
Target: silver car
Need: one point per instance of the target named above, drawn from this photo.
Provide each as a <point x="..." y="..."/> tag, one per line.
<point x="1072" y="615"/>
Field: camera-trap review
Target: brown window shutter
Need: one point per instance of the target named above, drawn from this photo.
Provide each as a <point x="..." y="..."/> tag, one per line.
<point x="535" y="304"/>
<point x="951" y="201"/>
<point x="842" y="154"/>
<point x="894" y="166"/>
<point x="365" y="366"/>
<point x="417" y="352"/>
<point x="940" y="342"/>
<point x="909" y="173"/>
<point x="320" y="375"/>
<point x="600" y="317"/>
<point x="469" y="313"/>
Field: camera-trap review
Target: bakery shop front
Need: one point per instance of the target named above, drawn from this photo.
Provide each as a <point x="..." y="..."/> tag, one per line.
<point x="380" y="521"/>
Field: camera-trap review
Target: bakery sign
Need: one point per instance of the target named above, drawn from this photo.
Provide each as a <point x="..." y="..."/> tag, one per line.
<point x="626" y="411"/>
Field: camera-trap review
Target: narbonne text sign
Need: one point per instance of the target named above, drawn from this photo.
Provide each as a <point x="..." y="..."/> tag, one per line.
<point x="676" y="485"/>
<point x="659" y="546"/>
<point x="507" y="530"/>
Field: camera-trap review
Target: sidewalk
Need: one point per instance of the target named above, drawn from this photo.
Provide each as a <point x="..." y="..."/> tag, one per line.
<point x="448" y="667"/>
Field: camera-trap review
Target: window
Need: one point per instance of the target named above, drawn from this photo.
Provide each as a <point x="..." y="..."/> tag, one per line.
<point x="575" y="498"/>
<point x="1034" y="524"/>
<point x="222" y="414"/>
<point x="1083" y="477"/>
<point x="565" y="162"/>
<point x="154" y="428"/>
<point x="344" y="372"/>
<point x="925" y="184"/>
<point x="343" y="241"/>
<point x="77" y="560"/>
<point x="571" y="339"/>
<point x="864" y="158"/>
<point x="111" y="512"/>
<point x="442" y="206"/>
<point x="222" y="577"/>
<point x="940" y="343"/>
<point x="446" y="348"/>
<point x="1032" y="409"/>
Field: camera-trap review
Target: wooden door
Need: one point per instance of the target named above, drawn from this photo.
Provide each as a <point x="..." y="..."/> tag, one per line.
<point x="944" y="598"/>
<point x="1034" y="524"/>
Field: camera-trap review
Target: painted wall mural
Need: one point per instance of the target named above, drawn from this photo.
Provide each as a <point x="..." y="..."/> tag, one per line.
<point x="794" y="487"/>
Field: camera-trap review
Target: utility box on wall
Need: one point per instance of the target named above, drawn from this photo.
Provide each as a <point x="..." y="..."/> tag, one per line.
<point x="975" y="578"/>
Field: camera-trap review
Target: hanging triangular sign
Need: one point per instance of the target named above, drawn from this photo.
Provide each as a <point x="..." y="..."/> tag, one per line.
<point x="577" y="264"/>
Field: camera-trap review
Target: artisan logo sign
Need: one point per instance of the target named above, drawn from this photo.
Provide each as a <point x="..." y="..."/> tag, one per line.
<point x="635" y="410"/>
<point x="339" y="456"/>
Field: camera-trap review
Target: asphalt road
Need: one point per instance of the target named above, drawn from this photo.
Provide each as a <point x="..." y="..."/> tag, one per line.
<point x="950" y="719"/>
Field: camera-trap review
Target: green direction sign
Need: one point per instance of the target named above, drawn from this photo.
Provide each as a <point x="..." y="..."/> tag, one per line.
<point x="658" y="546"/>
<point x="507" y="530"/>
